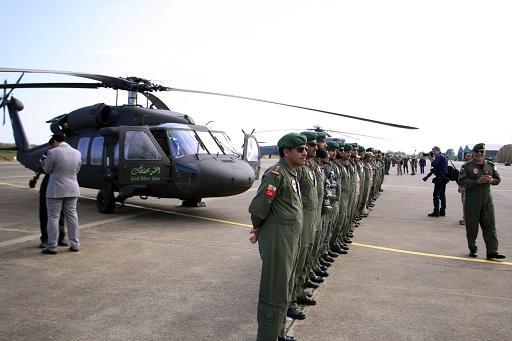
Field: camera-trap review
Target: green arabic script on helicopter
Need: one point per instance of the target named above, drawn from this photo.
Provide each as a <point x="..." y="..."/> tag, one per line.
<point x="143" y="173"/>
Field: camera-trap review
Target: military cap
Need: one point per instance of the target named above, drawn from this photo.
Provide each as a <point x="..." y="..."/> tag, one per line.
<point x="354" y="144"/>
<point x="310" y="135"/>
<point x="360" y="149"/>
<point x="478" y="146"/>
<point x="331" y="145"/>
<point x="341" y="146"/>
<point x="347" y="146"/>
<point x="321" y="135"/>
<point x="370" y="149"/>
<point x="291" y="140"/>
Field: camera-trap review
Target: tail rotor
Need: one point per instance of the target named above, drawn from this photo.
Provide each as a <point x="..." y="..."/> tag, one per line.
<point x="6" y="95"/>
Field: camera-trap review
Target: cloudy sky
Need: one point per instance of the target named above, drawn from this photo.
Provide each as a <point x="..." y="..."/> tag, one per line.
<point x="443" y="66"/>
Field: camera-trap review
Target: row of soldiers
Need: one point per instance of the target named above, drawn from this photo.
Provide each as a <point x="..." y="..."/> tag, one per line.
<point x="303" y="217"/>
<point x="402" y="164"/>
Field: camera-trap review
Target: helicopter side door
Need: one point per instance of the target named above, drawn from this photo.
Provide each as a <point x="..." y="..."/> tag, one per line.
<point x="251" y="154"/>
<point x="142" y="160"/>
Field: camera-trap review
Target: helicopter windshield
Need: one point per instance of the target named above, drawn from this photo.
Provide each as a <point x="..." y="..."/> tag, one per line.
<point x="225" y="142"/>
<point x="185" y="142"/>
<point x="209" y="142"/>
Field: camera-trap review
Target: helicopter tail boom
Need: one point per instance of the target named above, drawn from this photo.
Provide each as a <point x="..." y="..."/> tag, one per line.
<point x="15" y="106"/>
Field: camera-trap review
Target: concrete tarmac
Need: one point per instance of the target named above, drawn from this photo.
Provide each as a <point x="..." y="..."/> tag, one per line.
<point x="157" y="271"/>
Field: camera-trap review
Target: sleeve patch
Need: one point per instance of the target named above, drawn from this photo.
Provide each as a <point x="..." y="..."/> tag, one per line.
<point x="270" y="192"/>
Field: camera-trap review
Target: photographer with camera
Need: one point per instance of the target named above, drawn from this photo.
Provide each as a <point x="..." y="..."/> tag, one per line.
<point x="43" y="213"/>
<point x="440" y="170"/>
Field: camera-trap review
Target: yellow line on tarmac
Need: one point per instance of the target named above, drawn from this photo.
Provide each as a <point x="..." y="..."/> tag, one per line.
<point x="182" y="214"/>
<point x="433" y="255"/>
<point x="12" y="185"/>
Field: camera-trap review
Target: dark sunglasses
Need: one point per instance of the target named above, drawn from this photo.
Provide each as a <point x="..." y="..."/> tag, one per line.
<point x="300" y="149"/>
<point x="312" y="144"/>
<point x="481" y="151"/>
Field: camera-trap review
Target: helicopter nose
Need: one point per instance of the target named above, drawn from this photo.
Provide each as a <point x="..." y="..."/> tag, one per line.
<point x="221" y="177"/>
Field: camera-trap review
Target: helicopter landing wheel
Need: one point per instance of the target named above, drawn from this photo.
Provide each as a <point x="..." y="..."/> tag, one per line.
<point x="105" y="201"/>
<point x="193" y="203"/>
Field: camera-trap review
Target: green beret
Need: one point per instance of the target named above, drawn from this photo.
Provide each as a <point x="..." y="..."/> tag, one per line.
<point x="354" y="144"/>
<point x="291" y="140"/>
<point x="347" y="146"/>
<point x="360" y="149"/>
<point x="331" y="145"/>
<point x="478" y="146"/>
<point x="310" y="135"/>
<point x="321" y="135"/>
<point x="370" y="149"/>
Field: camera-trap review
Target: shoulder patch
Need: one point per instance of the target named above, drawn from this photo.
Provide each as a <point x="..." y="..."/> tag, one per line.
<point x="270" y="191"/>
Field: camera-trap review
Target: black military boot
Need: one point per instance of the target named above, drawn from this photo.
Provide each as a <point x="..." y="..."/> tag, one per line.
<point x="324" y="263"/>
<point x="495" y="255"/>
<point x="286" y="338"/>
<point x="295" y="314"/>
<point x="435" y="213"/>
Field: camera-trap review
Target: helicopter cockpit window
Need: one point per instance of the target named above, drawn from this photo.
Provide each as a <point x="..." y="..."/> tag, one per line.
<point x="116" y="154"/>
<point x="185" y="142"/>
<point x="225" y="142"/>
<point x="97" y="151"/>
<point x="83" y="148"/>
<point x="209" y="142"/>
<point x="138" y="146"/>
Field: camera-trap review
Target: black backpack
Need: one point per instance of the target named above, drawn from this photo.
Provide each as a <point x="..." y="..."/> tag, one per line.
<point x="453" y="172"/>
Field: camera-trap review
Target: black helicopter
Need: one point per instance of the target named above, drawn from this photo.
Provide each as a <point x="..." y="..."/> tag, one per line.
<point x="144" y="151"/>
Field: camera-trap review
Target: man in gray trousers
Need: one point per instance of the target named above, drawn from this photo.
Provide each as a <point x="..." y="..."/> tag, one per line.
<point x="62" y="164"/>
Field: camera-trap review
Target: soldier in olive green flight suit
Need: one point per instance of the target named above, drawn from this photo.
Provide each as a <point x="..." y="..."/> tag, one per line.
<point x="315" y="252"/>
<point x="276" y="215"/>
<point x="477" y="176"/>
<point x="347" y="151"/>
<point x="344" y="197"/>
<point x="309" y="194"/>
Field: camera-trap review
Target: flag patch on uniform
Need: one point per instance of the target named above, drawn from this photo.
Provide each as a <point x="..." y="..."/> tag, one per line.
<point x="270" y="191"/>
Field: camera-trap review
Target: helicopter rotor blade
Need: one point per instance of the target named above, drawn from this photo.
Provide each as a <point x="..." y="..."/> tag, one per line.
<point x="292" y="106"/>
<point x="143" y="85"/>
<point x="116" y="83"/>
<point x="159" y="104"/>
<point x="104" y="79"/>
<point x="53" y="85"/>
<point x="357" y="134"/>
